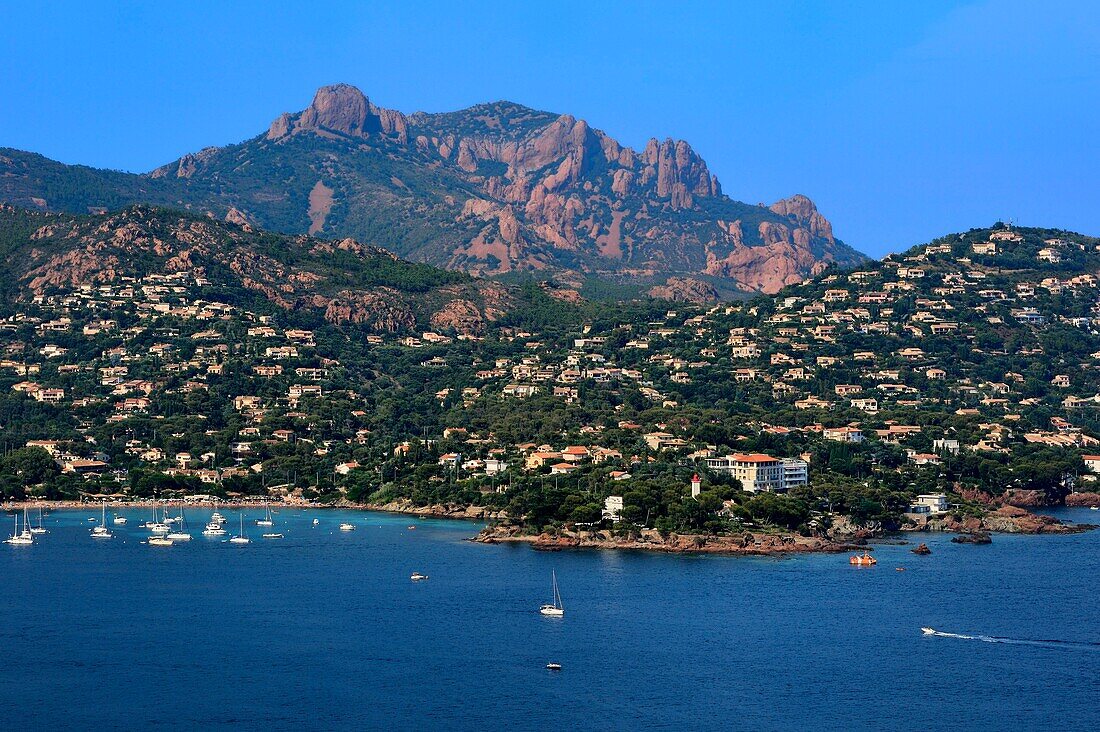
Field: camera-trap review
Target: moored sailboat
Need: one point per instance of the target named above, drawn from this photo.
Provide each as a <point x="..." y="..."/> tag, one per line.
<point x="241" y="538"/>
<point x="100" y="531"/>
<point x="40" y="529"/>
<point x="20" y="538"/>
<point x="555" y="609"/>
<point x="180" y="534"/>
<point x="266" y="520"/>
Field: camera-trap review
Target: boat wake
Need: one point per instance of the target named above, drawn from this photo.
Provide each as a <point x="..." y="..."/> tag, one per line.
<point x="1043" y="642"/>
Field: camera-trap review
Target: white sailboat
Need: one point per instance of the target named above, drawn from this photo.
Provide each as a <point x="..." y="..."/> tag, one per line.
<point x="157" y="526"/>
<point x="40" y="529"/>
<point x="160" y="541"/>
<point x="23" y="538"/>
<point x="101" y="532"/>
<point x="180" y="534"/>
<point x="241" y="538"/>
<point x="554" y="610"/>
<point x="266" y="520"/>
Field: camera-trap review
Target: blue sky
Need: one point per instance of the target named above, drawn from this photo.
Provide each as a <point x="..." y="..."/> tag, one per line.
<point x="902" y="123"/>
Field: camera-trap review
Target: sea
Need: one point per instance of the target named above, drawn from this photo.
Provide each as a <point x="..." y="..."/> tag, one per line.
<point x="324" y="629"/>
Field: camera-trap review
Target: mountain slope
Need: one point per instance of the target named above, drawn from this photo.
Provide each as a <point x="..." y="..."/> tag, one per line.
<point x="494" y="189"/>
<point x="341" y="281"/>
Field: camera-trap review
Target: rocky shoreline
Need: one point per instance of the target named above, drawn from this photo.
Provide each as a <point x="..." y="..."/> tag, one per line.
<point x="749" y="543"/>
<point x="1004" y="520"/>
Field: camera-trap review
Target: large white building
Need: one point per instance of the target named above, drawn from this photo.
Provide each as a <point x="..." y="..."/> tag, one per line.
<point x="758" y="472"/>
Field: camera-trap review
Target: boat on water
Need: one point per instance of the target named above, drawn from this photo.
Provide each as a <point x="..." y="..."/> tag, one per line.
<point x="213" y="529"/>
<point x="120" y="520"/>
<point x="241" y="538"/>
<point x="553" y="666"/>
<point x="101" y="532"/>
<point x="272" y="535"/>
<point x="20" y="538"/>
<point x="347" y="527"/>
<point x="40" y="529"/>
<point x="866" y="560"/>
<point x="160" y="541"/>
<point x="266" y="520"/>
<point x="416" y="577"/>
<point x="180" y="534"/>
<point x="928" y="631"/>
<point x="157" y="525"/>
<point x="315" y="522"/>
<point x="554" y="609"/>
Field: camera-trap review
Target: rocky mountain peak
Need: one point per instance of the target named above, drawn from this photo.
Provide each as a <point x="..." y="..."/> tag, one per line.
<point x="803" y="212"/>
<point x="341" y="109"/>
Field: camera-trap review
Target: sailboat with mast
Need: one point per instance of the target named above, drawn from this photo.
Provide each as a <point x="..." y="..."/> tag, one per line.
<point x="157" y="526"/>
<point x="40" y="529"/>
<point x="266" y="520"/>
<point x="20" y="538"/>
<point x="100" y="531"/>
<point x="241" y="538"/>
<point x="555" y="609"/>
<point x="180" y="533"/>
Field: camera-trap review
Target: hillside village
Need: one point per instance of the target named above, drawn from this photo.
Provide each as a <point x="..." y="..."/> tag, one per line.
<point x="952" y="379"/>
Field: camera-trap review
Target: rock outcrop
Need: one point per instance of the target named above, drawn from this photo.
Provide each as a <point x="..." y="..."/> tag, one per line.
<point x="687" y="289"/>
<point x="1004" y="520"/>
<point x="1085" y="499"/>
<point x="651" y="540"/>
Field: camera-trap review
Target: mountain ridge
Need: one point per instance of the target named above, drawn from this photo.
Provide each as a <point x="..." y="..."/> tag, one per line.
<point x="496" y="189"/>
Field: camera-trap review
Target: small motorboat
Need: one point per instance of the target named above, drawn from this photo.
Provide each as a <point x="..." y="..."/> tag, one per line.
<point x="120" y="520"/>
<point x="928" y="631"/>
<point x="416" y="577"/>
<point x="347" y="527"/>
<point x="272" y="535"/>
<point x="862" y="561"/>
<point x="316" y="521"/>
<point x="411" y="528"/>
<point x="553" y="666"/>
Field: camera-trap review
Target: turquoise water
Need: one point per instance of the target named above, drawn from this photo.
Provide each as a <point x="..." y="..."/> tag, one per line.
<point x="324" y="630"/>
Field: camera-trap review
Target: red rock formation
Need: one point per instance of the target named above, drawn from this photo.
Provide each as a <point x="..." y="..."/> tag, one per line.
<point x="1025" y="498"/>
<point x="1085" y="499"/>
<point x="686" y="289"/>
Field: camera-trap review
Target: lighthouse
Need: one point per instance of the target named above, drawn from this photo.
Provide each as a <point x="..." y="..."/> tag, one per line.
<point x="696" y="486"/>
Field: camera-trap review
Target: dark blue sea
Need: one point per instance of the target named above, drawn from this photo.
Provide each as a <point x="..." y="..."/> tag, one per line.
<point x="324" y="630"/>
